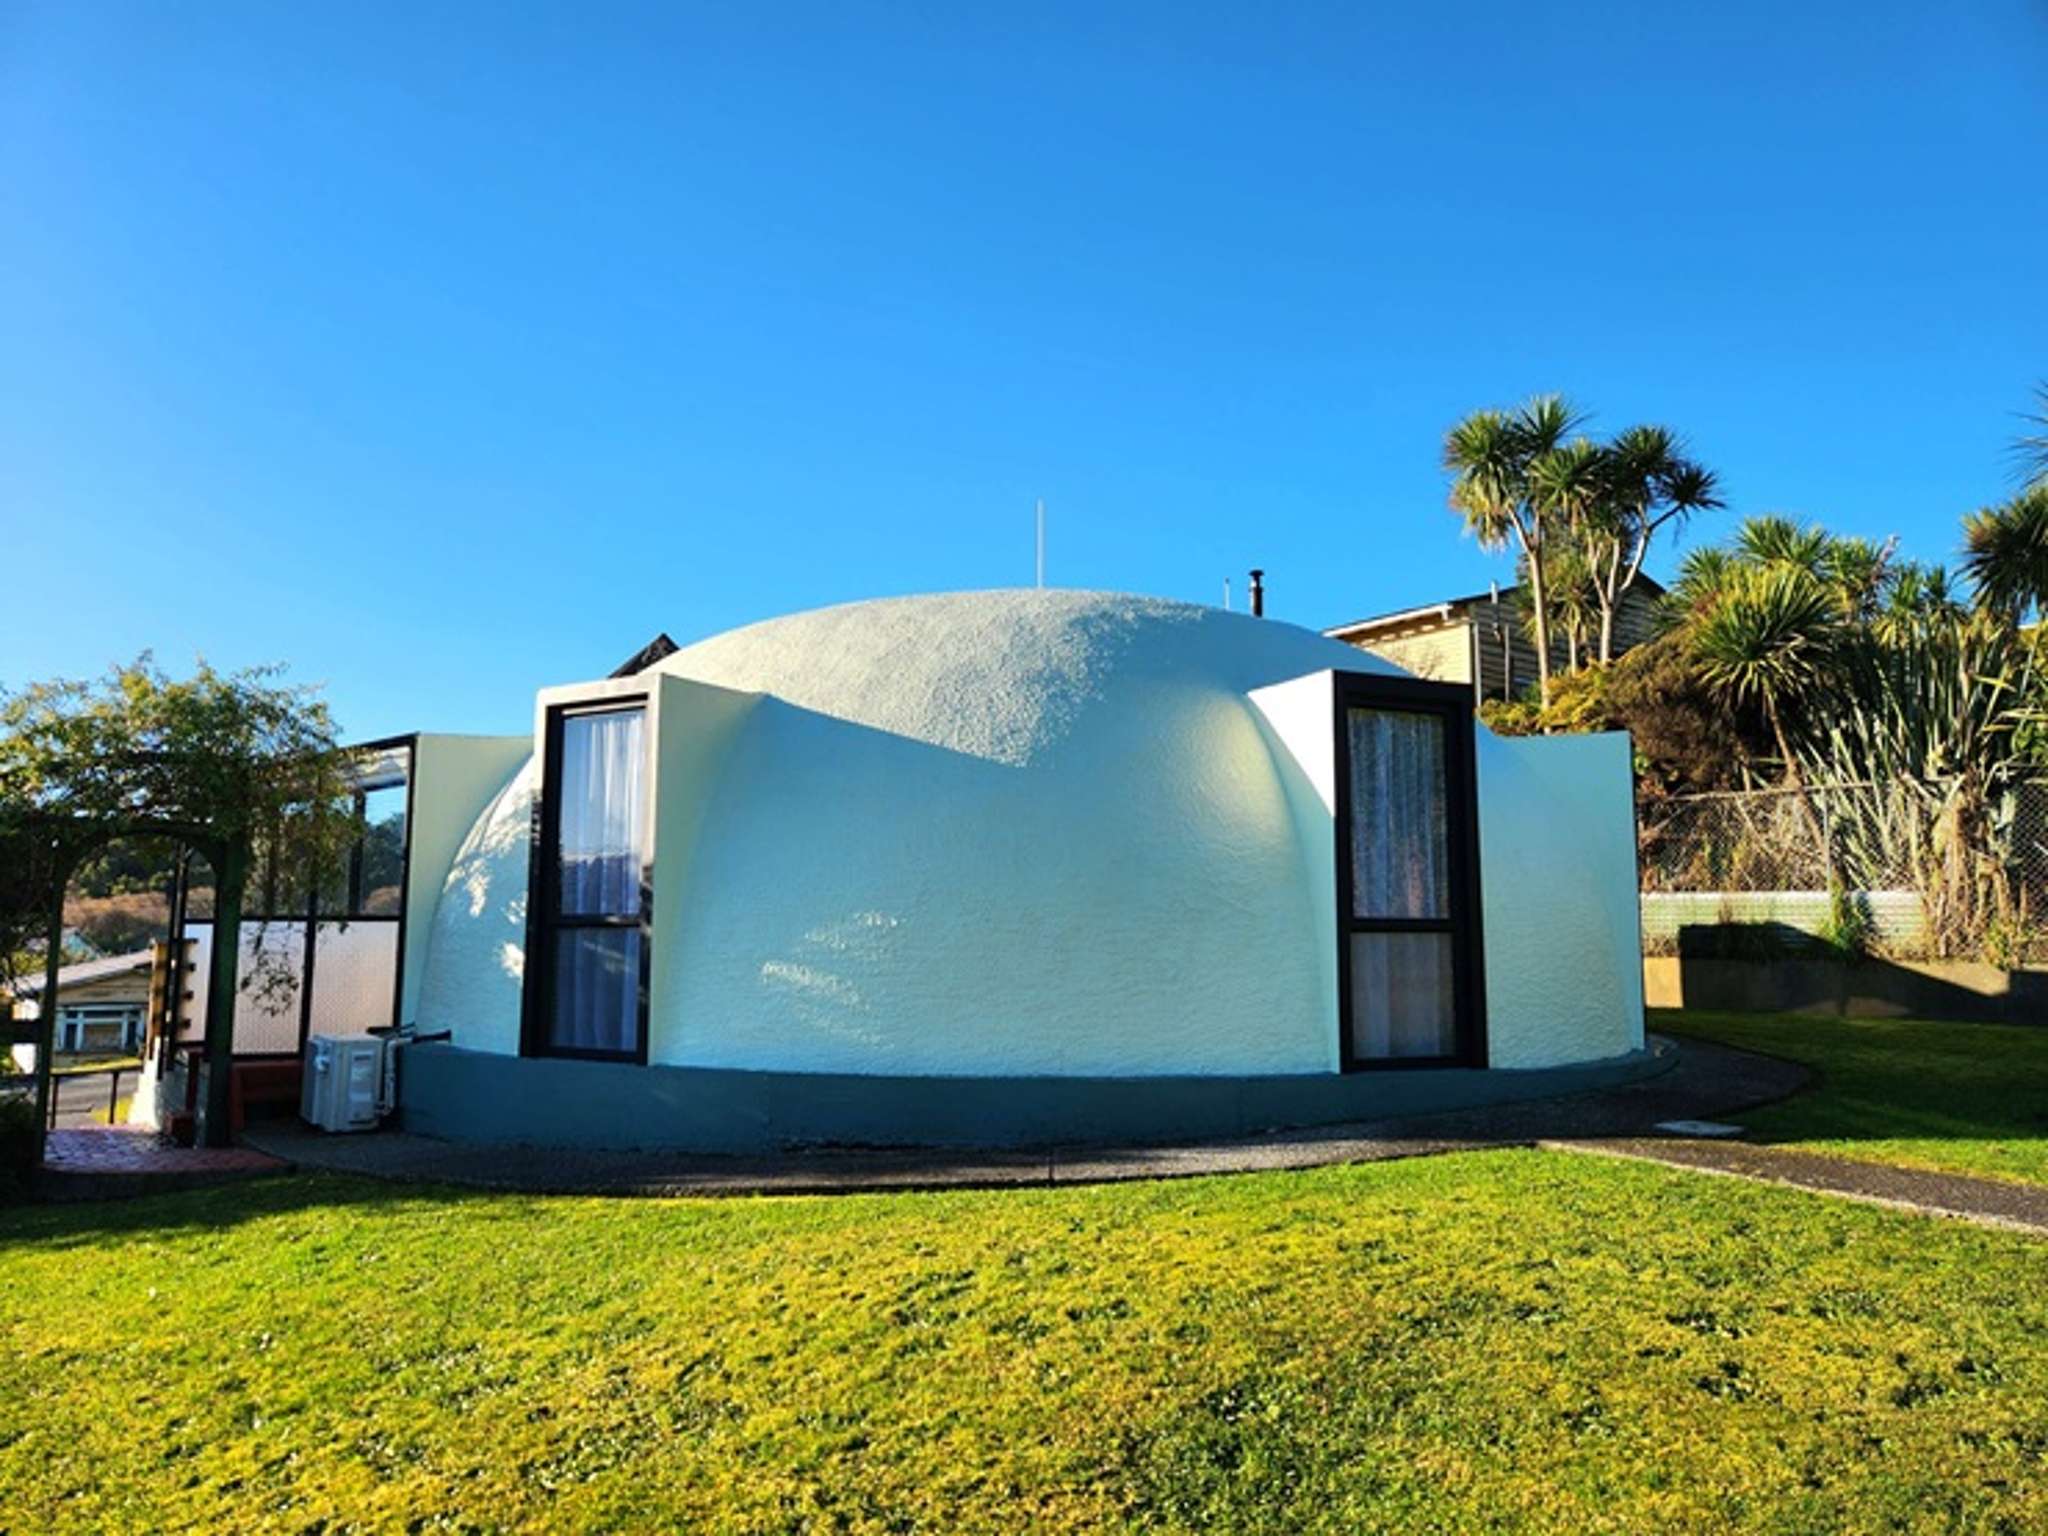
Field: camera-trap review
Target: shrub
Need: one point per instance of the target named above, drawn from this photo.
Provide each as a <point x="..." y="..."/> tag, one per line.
<point x="1846" y="930"/>
<point x="1684" y="739"/>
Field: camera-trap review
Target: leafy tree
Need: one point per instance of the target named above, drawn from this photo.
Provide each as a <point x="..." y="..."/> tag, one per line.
<point x="218" y="762"/>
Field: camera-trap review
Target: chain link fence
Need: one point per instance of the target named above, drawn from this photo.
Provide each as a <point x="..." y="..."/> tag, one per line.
<point x="1910" y="870"/>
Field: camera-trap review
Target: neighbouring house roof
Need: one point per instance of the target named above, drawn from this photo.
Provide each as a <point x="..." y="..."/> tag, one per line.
<point x="1453" y="608"/>
<point x="84" y="971"/>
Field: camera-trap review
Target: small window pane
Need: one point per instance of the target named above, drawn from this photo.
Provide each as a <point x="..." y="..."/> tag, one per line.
<point x="1400" y="853"/>
<point x="602" y="801"/>
<point x="597" y="990"/>
<point x="383" y="869"/>
<point x="1401" y="998"/>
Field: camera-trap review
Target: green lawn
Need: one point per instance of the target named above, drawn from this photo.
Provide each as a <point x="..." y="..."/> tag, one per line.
<point x="1514" y="1340"/>
<point x="1972" y="1098"/>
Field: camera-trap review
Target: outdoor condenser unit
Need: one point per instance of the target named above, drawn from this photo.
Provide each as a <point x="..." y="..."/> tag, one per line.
<point x="343" y="1082"/>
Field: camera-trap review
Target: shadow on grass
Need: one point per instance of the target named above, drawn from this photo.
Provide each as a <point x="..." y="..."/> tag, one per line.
<point x="86" y="1223"/>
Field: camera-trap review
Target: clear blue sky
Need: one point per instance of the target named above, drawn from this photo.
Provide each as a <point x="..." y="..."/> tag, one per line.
<point x="469" y="346"/>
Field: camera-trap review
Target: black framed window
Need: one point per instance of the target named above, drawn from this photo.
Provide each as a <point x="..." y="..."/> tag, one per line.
<point x="587" y="955"/>
<point x="1408" y="954"/>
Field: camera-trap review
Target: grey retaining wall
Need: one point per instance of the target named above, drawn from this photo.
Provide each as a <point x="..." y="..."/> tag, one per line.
<point x="1929" y="989"/>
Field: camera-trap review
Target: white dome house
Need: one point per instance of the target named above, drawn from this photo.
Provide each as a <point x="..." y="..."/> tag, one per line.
<point x="1016" y="867"/>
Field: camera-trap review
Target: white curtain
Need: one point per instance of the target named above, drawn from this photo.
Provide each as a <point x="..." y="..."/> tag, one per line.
<point x="1401" y="997"/>
<point x="1400" y="863"/>
<point x="603" y="803"/>
<point x="602" y="798"/>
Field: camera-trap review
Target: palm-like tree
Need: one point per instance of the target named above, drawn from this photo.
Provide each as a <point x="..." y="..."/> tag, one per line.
<point x="1918" y="600"/>
<point x="1489" y="455"/>
<point x="1704" y="576"/>
<point x="1569" y="485"/>
<point x="1778" y="541"/>
<point x="2005" y="555"/>
<point x="1859" y="574"/>
<point x="1767" y="640"/>
<point x="2031" y="447"/>
<point x="1648" y="484"/>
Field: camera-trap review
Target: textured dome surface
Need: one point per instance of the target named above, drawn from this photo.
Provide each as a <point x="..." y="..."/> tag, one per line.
<point x="1004" y="675"/>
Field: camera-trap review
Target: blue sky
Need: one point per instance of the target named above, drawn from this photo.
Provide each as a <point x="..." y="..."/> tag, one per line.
<point x="466" y="347"/>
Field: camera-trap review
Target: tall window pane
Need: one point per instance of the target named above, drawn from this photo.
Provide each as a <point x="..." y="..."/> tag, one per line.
<point x="597" y="990"/>
<point x="1400" y="862"/>
<point x="1401" y="996"/>
<point x="592" y="955"/>
<point x="601" y="798"/>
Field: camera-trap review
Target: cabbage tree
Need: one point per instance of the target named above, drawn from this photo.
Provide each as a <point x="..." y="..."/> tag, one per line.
<point x="1489" y="456"/>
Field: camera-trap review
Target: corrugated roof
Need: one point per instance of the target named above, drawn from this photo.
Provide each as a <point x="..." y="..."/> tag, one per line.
<point x="84" y="971"/>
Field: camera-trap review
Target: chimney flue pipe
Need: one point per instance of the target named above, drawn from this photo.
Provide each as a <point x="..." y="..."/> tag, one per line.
<point x="1258" y="590"/>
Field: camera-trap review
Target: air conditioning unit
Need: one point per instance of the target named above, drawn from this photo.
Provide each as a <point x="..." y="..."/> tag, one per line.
<point x="342" y="1084"/>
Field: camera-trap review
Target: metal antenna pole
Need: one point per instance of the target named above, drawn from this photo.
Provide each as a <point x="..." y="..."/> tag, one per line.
<point x="1226" y="594"/>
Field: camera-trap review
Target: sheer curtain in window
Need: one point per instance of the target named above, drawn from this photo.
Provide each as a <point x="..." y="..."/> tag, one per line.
<point x="1403" y="1002"/>
<point x="601" y="810"/>
<point x="1400" y="860"/>
<point x="597" y="939"/>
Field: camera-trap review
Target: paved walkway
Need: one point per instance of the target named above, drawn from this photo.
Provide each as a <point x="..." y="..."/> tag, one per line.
<point x="106" y="1162"/>
<point x="1706" y="1079"/>
<point x="1705" y="1082"/>
<point x="1987" y="1202"/>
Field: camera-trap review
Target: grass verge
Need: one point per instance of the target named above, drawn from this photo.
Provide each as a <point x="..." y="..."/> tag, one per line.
<point x="1504" y="1341"/>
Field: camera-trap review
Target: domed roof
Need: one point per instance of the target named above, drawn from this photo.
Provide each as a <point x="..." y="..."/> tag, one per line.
<point x="1004" y="675"/>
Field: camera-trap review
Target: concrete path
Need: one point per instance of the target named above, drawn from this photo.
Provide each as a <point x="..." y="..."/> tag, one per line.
<point x="1987" y="1202"/>
<point x="1704" y="1080"/>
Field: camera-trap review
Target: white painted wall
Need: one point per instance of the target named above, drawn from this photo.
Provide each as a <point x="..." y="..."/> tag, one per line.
<point x="1025" y="833"/>
<point x="453" y="779"/>
<point x="1557" y="866"/>
<point x="1300" y="723"/>
<point x="476" y="944"/>
<point x="693" y="726"/>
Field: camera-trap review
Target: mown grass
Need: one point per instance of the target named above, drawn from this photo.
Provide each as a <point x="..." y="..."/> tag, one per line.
<point x="1966" y="1098"/>
<point x="1502" y="1341"/>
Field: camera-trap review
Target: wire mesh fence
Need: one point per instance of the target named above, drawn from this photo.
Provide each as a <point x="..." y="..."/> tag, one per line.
<point x="1932" y="868"/>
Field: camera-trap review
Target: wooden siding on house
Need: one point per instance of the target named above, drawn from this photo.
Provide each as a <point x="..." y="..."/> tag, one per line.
<point x="1440" y="644"/>
<point x="1442" y="654"/>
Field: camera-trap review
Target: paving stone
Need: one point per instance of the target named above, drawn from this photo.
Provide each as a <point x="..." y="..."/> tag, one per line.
<point x="114" y="1162"/>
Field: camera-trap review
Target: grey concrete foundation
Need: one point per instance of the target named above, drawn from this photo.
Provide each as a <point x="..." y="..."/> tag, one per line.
<point x="460" y="1095"/>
